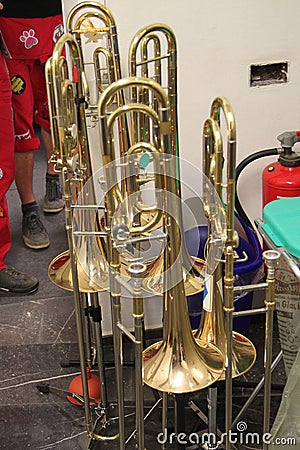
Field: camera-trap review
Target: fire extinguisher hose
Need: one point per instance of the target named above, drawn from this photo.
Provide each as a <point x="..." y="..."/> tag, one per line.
<point x="240" y="167"/>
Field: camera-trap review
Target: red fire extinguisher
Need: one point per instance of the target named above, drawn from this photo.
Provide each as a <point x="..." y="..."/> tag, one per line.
<point x="279" y="179"/>
<point x="282" y="178"/>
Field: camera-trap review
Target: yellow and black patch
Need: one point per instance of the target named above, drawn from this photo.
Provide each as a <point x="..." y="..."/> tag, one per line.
<point x="18" y="84"/>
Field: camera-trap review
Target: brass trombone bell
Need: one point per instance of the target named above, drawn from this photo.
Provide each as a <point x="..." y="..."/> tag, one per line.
<point x="211" y="329"/>
<point x="188" y="367"/>
<point x="59" y="272"/>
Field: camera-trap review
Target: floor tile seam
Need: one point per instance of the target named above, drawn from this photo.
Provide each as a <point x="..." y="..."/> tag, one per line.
<point x="38" y="343"/>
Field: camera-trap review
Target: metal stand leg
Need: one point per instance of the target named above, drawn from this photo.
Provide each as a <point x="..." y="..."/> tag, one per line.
<point x="271" y="259"/>
<point x="118" y="355"/>
<point x="212" y="418"/>
<point x="138" y="314"/>
<point x="164" y="419"/>
<point x="179" y="403"/>
<point x="97" y="318"/>
<point x="228" y="310"/>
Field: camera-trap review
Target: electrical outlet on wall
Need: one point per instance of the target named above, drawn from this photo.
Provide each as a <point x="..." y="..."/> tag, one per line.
<point x="265" y="74"/>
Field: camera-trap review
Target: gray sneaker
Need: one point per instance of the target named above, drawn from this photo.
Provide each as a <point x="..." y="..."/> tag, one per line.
<point x="53" y="202"/>
<point x="13" y="281"/>
<point x="34" y="233"/>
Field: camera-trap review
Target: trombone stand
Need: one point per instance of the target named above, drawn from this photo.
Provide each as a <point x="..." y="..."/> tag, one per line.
<point x="84" y="398"/>
<point x="97" y="390"/>
<point x="94" y="310"/>
<point x="137" y="271"/>
<point x="205" y="419"/>
<point x="179" y="412"/>
<point x="212" y="417"/>
<point x="271" y="260"/>
<point x="228" y="311"/>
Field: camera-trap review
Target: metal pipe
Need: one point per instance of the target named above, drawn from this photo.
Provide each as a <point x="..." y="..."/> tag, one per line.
<point x="271" y="258"/>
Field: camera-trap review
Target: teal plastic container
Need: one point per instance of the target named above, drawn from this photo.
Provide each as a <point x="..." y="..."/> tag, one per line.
<point x="282" y="223"/>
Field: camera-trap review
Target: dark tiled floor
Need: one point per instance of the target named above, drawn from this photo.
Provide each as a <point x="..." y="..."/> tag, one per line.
<point x="38" y="332"/>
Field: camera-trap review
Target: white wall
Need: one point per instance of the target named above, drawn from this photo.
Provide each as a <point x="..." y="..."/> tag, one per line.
<point x="217" y="41"/>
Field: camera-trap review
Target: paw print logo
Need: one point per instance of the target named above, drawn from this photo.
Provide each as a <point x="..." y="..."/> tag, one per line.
<point x="29" y="39"/>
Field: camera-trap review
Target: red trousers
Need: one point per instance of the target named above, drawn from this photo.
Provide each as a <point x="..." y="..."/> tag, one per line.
<point x="7" y="162"/>
<point x="29" y="100"/>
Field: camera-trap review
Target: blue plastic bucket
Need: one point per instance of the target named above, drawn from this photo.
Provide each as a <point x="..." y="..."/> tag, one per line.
<point x="245" y="272"/>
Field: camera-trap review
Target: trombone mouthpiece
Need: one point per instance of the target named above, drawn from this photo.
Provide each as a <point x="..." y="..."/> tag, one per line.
<point x="271" y="258"/>
<point x="137" y="269"/>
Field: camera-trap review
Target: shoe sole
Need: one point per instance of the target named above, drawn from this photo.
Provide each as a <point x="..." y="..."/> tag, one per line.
<point x="10" y="293"/>
<point x="52" y="211"/>
<point x="36" y="246"/>
<point x="49" y="208"/>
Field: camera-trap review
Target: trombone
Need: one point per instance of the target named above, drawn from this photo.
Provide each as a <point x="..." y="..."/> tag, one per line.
<point x="65" y="84"/>
<point x="116" y="228"/>
<point x="147" y="59"/>
<point x="216" y="325"/>
<point x="212" y="324"/>
<point x="216" y="318"/>
<point x="179" y="363"/>
<point x="153" y="54"/>
<point x="79" y="23"/>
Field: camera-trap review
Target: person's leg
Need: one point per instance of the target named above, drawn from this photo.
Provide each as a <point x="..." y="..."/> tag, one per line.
<point x="24" y="175"/>
<point x="7" y="166"/>
<point x="11" y="280"/>
<point x="47" y="141"/>
<point x="53" y="202"/>
<point x="34" y="233"/>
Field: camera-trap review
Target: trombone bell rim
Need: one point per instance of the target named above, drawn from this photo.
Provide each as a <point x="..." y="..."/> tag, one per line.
<point x="167" y="373"/>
